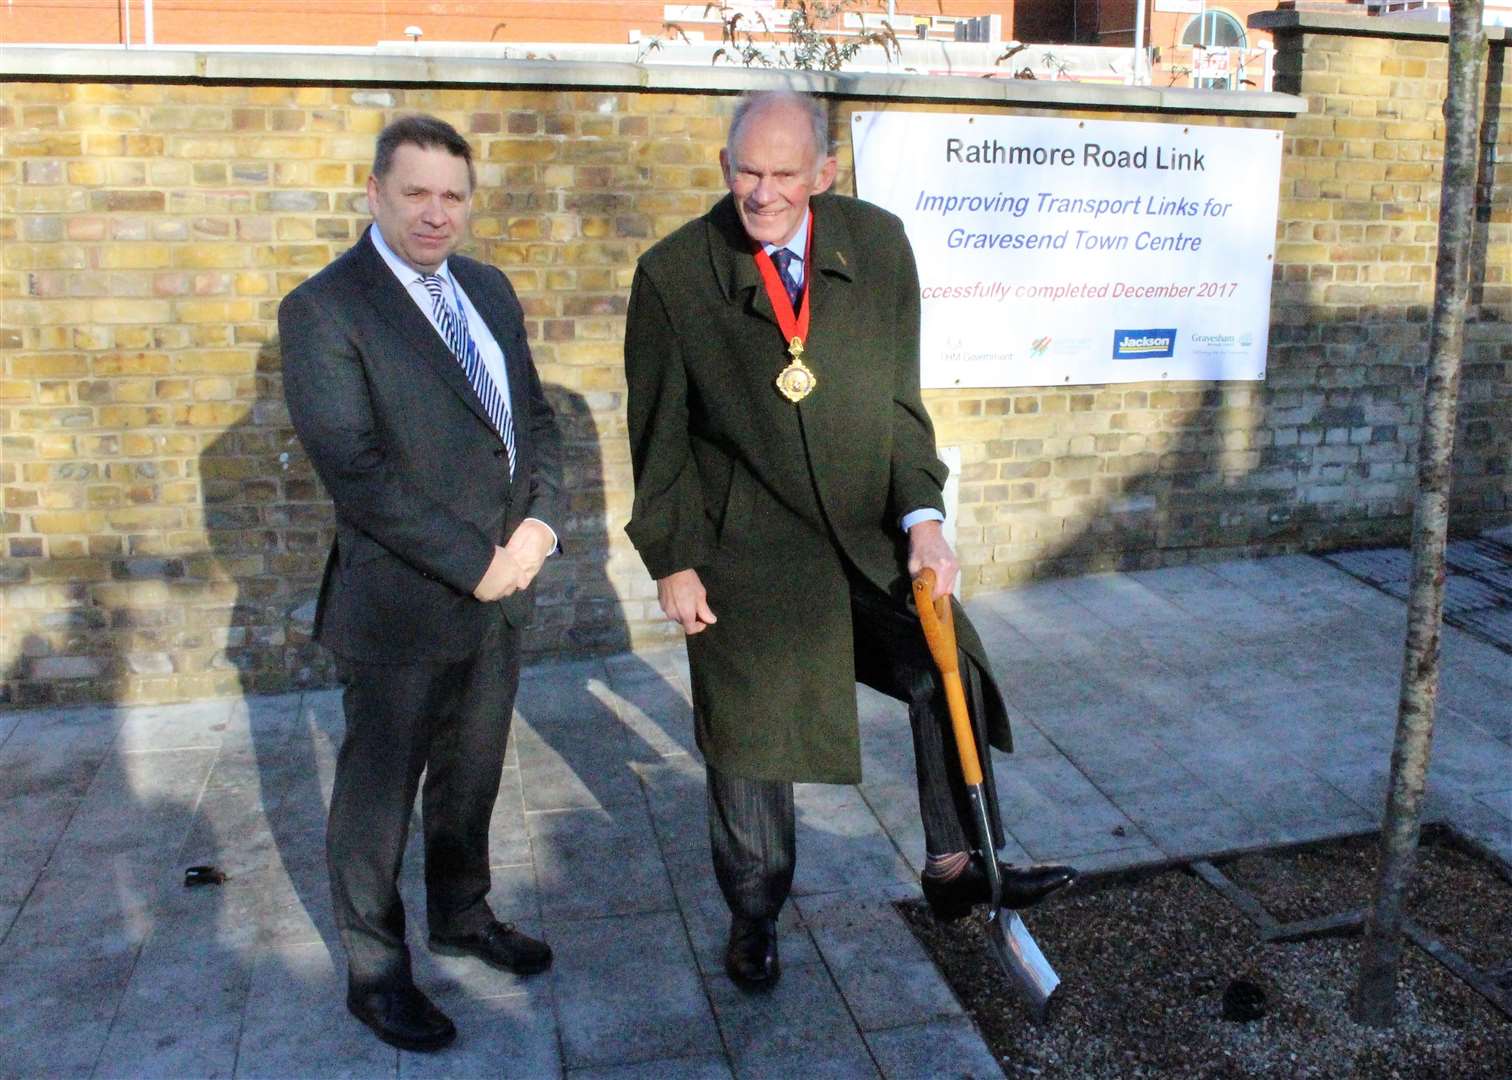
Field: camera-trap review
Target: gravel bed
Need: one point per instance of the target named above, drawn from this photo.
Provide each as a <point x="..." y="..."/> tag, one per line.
<point x="1453" y="895"/>
<point x="1144" y="966"/>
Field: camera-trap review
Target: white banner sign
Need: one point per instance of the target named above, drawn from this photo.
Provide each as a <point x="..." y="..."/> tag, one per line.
<point x="1080" y="251"/>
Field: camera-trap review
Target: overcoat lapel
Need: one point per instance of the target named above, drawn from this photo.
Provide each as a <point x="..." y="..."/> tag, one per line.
<point x="393" y="303"/>
<point x="734" y="261"/>
<point x="833" y="253"/>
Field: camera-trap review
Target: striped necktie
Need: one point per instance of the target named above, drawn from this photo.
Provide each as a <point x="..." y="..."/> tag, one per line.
<point x="783" y="259"/>
<point x="453" y="326"/>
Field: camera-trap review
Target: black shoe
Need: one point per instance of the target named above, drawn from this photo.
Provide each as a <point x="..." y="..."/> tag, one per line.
<point x="402" y="1017"/>
<point x="751" y="956"/>
<point x="498" y="945"/>
<point x="951" y="899"/>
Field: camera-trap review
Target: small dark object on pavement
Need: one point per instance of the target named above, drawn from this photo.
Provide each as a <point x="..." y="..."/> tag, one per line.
<point x="203" y="875"/>
<point x="1243" y="1001"/>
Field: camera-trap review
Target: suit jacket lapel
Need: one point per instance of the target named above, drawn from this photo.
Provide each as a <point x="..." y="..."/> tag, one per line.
<point x="393" y="303"/>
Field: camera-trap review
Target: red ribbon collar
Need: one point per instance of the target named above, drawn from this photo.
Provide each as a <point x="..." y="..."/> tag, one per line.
<point x="794" y="325"/>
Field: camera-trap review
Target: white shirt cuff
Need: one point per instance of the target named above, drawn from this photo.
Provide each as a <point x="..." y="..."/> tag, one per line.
<point x="556" y="545"/>
<point x="928" y="513"/>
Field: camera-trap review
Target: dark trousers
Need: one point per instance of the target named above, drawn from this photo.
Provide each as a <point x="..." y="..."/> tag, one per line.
<point x="449" y="721"/>
<point x="751" y="822"/>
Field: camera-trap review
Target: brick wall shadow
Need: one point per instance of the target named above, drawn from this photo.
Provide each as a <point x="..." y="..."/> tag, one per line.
<point x="63" y="656"/>
<point x="268" y="526"/>
<point x="1493" y="123"/>
<point x="1218" y="477"/>
<point x="578" y="610"/>
<point x="576" y="715"/>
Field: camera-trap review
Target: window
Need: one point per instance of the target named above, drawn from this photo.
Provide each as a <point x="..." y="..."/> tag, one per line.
<point x="1214" y="29"/>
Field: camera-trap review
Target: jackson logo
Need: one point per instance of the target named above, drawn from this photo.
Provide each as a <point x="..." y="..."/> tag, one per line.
<point x="1140" y="344"/>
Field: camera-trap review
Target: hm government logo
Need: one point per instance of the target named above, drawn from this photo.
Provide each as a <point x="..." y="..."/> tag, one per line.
<point x="1151" y="344"/>
<point x="1039" y="346"/>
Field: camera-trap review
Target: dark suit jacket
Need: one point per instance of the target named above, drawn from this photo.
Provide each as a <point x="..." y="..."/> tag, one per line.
<point x="769" y="501"/>
<point x="419" y="477"/>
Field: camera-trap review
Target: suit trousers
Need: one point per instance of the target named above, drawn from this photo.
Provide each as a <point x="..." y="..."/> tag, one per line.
<point x="751" y="821"/>
<point x="449" y="721"/>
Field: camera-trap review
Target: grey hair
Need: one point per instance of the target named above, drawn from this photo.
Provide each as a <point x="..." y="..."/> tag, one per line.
<point x="812" y="108"/>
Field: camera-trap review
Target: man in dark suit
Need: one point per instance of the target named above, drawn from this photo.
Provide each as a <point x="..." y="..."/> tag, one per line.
<point x="410" y="384"/>
<point x="787" y="488"/>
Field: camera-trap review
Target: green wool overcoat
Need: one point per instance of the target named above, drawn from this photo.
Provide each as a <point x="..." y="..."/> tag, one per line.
<point x="767" y="500"/>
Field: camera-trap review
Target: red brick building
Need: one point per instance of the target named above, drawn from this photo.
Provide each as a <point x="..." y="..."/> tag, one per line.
<point x="366" y="22"/>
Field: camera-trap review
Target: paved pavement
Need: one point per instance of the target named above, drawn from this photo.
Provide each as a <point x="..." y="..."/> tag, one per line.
<point x="1159" y="715"/>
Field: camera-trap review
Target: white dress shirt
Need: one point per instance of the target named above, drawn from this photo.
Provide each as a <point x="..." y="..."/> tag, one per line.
<point x="489" y="350"/>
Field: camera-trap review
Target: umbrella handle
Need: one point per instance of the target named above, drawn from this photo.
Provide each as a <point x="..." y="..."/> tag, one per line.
<point x="938" y="622"/>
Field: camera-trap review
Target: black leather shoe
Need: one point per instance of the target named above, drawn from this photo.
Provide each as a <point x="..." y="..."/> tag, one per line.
<point x="402" y="1017"/>
<point x="1022" y="887"/>
<point x="751" y="956"/>
<point x="498" y="945"/>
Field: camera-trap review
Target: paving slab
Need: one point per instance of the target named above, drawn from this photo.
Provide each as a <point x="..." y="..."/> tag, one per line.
<point x="695" y="1068"/>
<point x="508" y="837"/>
<point x="654" y="705"/>
<point x="675" y="793"/>
<point x="706" y="916"/>
<point x="927" y="1051"/>
<point x="201" y="725"/>
<point x="55" y="1015"/>
<point x="90" y="909"/>
<point x="1190" y="824"/>
<point x="507" y="1037"/>
<point x="54" y="752"/>
<point x="627" y="990"/>
<point x="203" y="988"/>
<point x="296" y="1022"/>
<point x="579" y="762"/>
<point x="841" y="845"/>
<point x="883" y="973"/>
<point x="799" y="1028"/>
<point x="595" y="862"/>
<point x="1051" y="806"/>
<point x="30" y="827"/>
<point x="1158" y="715"/>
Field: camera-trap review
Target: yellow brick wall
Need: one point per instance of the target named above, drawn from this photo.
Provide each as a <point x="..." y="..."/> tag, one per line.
<point x="164" y="534"/>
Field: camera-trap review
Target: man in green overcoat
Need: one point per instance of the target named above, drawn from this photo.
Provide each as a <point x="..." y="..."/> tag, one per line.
<point x="787" y="489"/>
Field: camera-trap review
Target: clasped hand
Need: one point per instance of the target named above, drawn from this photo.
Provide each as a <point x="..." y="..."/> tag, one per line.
<point x="515" y="565"/>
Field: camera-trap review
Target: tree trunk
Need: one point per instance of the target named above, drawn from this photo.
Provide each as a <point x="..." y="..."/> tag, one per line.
<point x="1381" y="950"/>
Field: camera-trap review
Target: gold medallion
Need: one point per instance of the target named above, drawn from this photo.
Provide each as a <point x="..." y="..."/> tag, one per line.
<point x="796" y="382"/>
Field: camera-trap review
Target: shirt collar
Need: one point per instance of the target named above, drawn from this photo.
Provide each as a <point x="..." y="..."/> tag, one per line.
<point x="406" y="273"/>
<point x="798" y="245"/>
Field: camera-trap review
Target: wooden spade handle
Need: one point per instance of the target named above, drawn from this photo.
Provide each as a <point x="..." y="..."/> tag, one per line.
<point x="938" y="621"/>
